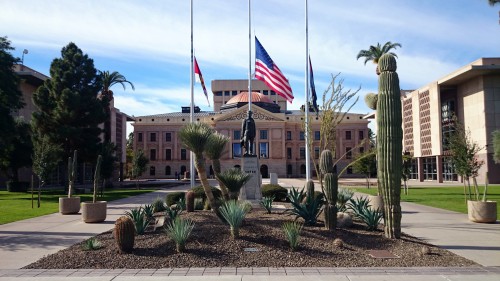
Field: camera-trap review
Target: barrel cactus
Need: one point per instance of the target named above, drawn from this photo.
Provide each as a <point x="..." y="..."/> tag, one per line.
<point x="190" y="201"/>
<point x="389" y="144"/>
<point x="330" y="187"/>
<point x="371" y="100"/>
<point x="124" y="234"/>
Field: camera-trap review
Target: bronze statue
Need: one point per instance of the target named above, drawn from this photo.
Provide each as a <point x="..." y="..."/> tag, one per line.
<point x="248" y="134"/>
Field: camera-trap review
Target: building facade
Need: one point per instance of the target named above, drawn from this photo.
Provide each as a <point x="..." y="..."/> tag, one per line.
<point x="472" y="95"/>
<point x="279" y="143"/>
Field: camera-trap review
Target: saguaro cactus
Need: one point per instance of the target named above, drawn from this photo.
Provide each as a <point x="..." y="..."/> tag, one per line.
<point x="389" y="144"/>
<point x="310" y="187"/>
<point x="124" y="234"/>
<point x="190" y="201"/>
<point x="330" y="185"/>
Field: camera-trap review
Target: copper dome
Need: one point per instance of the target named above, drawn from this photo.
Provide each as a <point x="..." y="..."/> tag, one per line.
<point x="243" y="97"/>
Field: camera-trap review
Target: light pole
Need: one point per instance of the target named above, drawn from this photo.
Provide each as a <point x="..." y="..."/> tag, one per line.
<point x="25" y="52"/>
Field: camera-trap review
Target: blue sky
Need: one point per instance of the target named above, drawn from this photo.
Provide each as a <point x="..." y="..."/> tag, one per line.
<point x="149" y="41"/>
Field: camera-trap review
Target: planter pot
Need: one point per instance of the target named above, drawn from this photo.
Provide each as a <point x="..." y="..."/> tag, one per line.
<point x="69" y="205"/>
<point x="94" y="212"/>
<point x="480" y="211"/>
<point x="376" y="202"/>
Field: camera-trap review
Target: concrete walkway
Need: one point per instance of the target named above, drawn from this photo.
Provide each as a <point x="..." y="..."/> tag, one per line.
<point x="24" y="242"/>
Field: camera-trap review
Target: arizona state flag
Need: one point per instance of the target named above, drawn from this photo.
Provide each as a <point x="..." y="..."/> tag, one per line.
<point x="199" y="78"/>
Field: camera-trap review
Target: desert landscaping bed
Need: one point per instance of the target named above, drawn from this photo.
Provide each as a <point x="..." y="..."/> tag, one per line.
<point x="210" y="245"/>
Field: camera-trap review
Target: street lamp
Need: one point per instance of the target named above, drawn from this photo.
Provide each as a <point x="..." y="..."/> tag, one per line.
<point x="25" y="52"/>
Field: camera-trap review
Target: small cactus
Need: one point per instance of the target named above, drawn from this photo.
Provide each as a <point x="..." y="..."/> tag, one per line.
<point x="190" y="201"/>
<point x="371" y="100"/>
<point x="330" y="185"/>
<point x="124" y="234"/>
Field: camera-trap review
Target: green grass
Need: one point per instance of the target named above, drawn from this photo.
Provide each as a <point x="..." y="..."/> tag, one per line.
<point x="15" y="206"/>
<point x="448" y="198"/>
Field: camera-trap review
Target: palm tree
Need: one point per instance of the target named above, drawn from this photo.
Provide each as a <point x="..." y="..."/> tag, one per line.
<point x="375" y="52"/>
<point x="196" y="137"/>
<point x="108" y="80"/>
<point x="234" y="179"/>
<point x="493" y="2"/>
<point x="213" y="150"/>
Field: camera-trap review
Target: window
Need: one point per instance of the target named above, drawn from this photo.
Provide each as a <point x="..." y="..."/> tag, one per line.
<point x="226" y="93"/>
<point x="348" y="153"/>
<point x="168" y="137"/>
<point x="288" y="135"/>
<point x="264" y="150"/>
<point x="347" y="135"/>
<point x="263" y="134"/>
<point x="302" y="153"/>
<point x="273" y="93"/>
<point x="183" y="154"/>
<point x="361" y="150"/>
<point x="168" y="154"/>
<point x="317" y="135"/>
<point x="139" y="137"/>
<point x="265" y="92"/>
<point x="361" y="135"/>
<point x="289" y="169"/>
<point x="236" y="150"/>
<point x="234" y="93"/>
<point x="152" y="137"/>
<point x="349" y="170"/>
<point x="430" y="168"/>
<point x="303" y="169"/>
<point x="152" y="170"/>
<point x="152" y="154"/>
<point x="218" y="94"/>
<point x="301" y="136"/>
<point x="414" y="169"/>
<point x="449" y="172"/>
<point x="168" y="171"/>
<point x="316" y="152"/>
<point x="236" y="135"/>
<point x="288" y="153"/>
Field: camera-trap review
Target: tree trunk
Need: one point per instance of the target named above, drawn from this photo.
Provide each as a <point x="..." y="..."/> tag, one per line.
<point x="199" y="163"/>
<point x="217" y="171"/>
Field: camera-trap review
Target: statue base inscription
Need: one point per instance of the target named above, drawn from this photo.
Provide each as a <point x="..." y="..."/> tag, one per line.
<point x="252" y="189"/>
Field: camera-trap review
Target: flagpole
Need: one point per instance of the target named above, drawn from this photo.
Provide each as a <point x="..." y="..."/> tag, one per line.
<point x="191" y="111"/>
<point x="306" y="106"/>
<point x="249" y="56"/>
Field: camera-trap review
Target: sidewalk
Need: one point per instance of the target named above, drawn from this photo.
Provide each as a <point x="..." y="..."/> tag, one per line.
<point x="24" y="242"/>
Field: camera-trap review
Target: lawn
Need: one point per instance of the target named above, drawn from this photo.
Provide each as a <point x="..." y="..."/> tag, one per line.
<point x="15" y="206"/>
<point x="449" y="197"/>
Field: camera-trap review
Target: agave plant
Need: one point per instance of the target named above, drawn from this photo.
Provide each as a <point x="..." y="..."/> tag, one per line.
<point x="141" y="222"/>
<point x="296" y="196"/>
<point x="292" y="233"/>
<point x="233" y="213"/>
<point x="344" y="195"/>
<point x="91" y="244"/>
<point x="310" y="209"/>
<point x="148" y="211"/>
<point x="179" y="231"/>
<point x="173" y="213"/>
<point x="358" y="205"/>
<point x="371" y="218"/>
<point x="234" y="179"/>
<point x="267" y="203"/>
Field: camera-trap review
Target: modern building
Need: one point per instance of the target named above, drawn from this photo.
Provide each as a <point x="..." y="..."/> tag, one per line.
<point x="472" y="94"/>
<point x="30" y="80"/>
<point x="279" y="143"/>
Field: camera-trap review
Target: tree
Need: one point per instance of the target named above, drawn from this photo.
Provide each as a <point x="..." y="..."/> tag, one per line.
<point x="11" y="100"/>
<point x="195" y="137"/>
<point x="139" y="163"/>
<point x="45" y="160"/>
<point x="496" y="146"/>
<point x="129" y="153"/>
<point x="374" y="53"/>
<point x="108" y="80"/>
<point x="108" y="152"/>
<point x="406" y="169"/>
<point x="214" y="148"/>
<point x="463" y="151"/>
<point x="20" y="155"/>
<point x="366" y="164"/>
<point x="493" y="2"/>
<point x="69" y="112"/>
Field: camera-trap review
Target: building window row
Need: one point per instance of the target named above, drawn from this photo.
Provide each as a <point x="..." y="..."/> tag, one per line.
<point x="153" y="137"/>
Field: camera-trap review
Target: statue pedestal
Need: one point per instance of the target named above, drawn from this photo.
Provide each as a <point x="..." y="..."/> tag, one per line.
<point x="252" y="189"/>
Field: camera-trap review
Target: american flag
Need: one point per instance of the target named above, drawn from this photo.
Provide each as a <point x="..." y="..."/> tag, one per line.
<point x="267" y="71"/>
<point x="199" y="78"/>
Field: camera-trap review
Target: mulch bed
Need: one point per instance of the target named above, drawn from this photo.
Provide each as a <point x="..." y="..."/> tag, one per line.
<point x="211" y="245"/>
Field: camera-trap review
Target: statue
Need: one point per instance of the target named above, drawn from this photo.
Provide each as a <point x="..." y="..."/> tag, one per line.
<point x="248" y="134"/>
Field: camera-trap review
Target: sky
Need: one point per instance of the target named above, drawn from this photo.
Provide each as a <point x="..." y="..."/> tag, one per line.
<point x="148" y="41"/>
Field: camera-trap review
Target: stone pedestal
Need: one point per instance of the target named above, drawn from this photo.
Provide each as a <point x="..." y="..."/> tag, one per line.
<point x="273" y="178"/>
<point x="252" y="189"/>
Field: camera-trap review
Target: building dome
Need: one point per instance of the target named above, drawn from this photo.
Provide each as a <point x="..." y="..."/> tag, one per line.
<point x="243" y="97"/>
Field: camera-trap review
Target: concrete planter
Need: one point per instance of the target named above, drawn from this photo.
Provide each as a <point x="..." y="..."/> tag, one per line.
<point x="94" y="212"/>
<point x="69" y="205"/>
<point x="482" y="211"/>
<point x="376" y="202"/>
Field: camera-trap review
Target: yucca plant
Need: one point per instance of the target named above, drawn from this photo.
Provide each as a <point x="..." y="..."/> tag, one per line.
<point x="140" y="220"/>
<point x="358" y="205"/>
<point x="371" y="218"/>
<point x="91" y="244"/>
<point x="214" y="148"/>
<point x="344" y="195"/>
<point x="309" y="210"/>
<point x="179" y="231"/>
<point x="173" y="213"/>
<point x="233" y="213"/>
<point x="234" y="179"/>
<point x="158" y="205"/>
<point x="292" y="233"/>
<point x="267" y="203"/>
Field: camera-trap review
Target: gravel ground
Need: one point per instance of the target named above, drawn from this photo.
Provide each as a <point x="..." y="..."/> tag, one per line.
<point x="210" y="245"/>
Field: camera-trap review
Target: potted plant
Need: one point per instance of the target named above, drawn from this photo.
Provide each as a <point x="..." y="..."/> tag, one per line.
<point x="70" y="205"/>
<point x="95" y="211"/>
<point x="483" y="211"/>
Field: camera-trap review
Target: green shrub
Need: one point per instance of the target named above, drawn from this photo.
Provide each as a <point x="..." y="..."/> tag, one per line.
<point x="279" y="193"/>
<point x="158" y="205"/>
<point x="292" y="233"/>
<point x="173" y="197"/>
<point x="17" y="186"/>
<point x="179" y="231"/>
<point x="199" y="192"/>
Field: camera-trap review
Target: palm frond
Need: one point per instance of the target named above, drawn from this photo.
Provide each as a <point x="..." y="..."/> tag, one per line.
<point x="234" y="179"/>
<point x="195" y="136"/>
<point x="215" y="146"/>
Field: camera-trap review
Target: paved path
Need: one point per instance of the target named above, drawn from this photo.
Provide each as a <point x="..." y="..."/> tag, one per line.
<point x="24" y="242"/>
